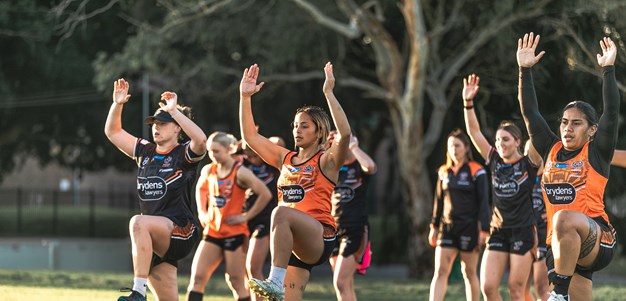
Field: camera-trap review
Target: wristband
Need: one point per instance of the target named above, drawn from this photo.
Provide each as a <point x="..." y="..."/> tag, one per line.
<point x="469" y="107"/>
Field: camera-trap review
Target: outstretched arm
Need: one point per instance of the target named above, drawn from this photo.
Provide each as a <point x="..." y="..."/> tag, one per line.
<point x="334" y="157"/>
<point x="606" y="135"/>
<point x="367" y="163"/>
<point x="539" y="131"/>
<point x="268" y="151"/>
<point x="195" y="133"/>
<point x="470" y="89"/>
<point x="113" y="126"/>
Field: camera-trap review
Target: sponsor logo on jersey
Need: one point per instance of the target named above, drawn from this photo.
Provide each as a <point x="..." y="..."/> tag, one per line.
<point x="292" y="193"/>
<point x="560" y="193"/>
<point x="151" y="188"/>
<point x="145" y="161"/>
<point x="159" y="157"/>
<point x="505" y="187"/>
<point x="577" y="164"/>
<point x="294" y="169"/>
<point x="218" y="201"/>
<point x="561" y="165"/>
<point x="343" y="194"/>
<point x="309" y="168"/>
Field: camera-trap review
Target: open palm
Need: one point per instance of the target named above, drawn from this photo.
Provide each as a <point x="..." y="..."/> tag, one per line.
<point x="609" y="52"/>
<point x="120" y="91"/>
<point x="248" y="85"/>
<point x="470" y="86"/>
<point x="526" y="48"/>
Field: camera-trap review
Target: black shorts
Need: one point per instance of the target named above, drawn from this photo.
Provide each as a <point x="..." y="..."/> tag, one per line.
<point x="330" y="238"/>
<point x="259" y="226"/>
<point x="182" y="242"/>
<point x="351" y="240"/>
<point x="513" y="240"/>
<point x="228" y="243"/>
<point x="541" y="242"/>
<point x="608" y="240"/>
<point x="459" y="236"/>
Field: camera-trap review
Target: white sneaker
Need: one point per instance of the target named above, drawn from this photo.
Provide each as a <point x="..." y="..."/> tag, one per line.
<point x="557" y="297"/>
<point x="267" y="289"/>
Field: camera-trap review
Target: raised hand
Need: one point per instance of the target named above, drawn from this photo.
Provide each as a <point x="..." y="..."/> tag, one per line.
<point x="526" y="51"/>
<point x="248" y="86"/>
<point x="329" y="83"/>
<point x="470" y="87"/>
<point x="171" y="99"/>
<point x="120" y="91"/>
<point x="609" y="52"/>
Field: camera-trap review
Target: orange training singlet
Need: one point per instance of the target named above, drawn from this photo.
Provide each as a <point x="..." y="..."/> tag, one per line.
<point x="226" y="199"/>
<point x="304" y="187"/>
<point x="572" y="185"/>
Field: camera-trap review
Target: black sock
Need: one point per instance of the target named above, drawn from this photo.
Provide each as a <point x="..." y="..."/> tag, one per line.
<point x="561" y="284"/>
<point x="194" y="296"/>
<point x="244" y="299"/>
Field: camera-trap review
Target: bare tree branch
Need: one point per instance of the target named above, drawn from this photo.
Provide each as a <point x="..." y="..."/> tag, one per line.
<point x="77" y="17"/>
<point x="350" y="31"/>
<point x="201" y="10"/>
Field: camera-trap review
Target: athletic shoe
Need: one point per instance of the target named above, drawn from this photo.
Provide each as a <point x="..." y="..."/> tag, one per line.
<point x="134" y="296"/>
<point x="557" y="297"/>
<point x="267" y="289"/>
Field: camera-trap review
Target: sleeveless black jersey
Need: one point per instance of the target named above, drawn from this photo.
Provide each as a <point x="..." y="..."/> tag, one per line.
<point x="538" y="206"/>
<point x="462" y="198"/>
<point x="349" y="201"/>
<point x="512" y="187"/>
<point x="269" y="176"/>
<point x="165" y="180"/>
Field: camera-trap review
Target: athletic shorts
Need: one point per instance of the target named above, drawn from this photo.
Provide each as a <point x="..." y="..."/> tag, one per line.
<point x="513" y="240"/>
<point x="459" y="236"/>
<point x="351" y="240"/>
<point x="259" y="226"/>
<point x="541" y="242"/>
<point x="228" y="243"/>
<point x="608" y="241"/>
<point x="182" y="241"/>
<point x="330" y="238"/>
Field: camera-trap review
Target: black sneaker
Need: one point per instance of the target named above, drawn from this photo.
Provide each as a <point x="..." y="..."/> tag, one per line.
<point x="134" y="296"/>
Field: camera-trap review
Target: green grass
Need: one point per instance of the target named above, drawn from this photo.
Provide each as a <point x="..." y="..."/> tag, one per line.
<point x="53" y="286"/>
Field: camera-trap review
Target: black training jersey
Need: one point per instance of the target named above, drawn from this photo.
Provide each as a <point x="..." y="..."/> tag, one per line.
<point x="269" y="176"/>
<point x="512" y="188"/>
<point x="165" y="180"/>
<point x="538" y="206"/>
<point x="462" y="197"/>
<point x="349" y="200"/>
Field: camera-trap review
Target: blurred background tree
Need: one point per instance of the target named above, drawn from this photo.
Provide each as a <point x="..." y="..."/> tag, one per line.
<point x="399" y="66"/>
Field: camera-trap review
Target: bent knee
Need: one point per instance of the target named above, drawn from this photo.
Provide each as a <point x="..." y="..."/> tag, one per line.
<point x="136" y="223"/>
<point x="566" y="220"/>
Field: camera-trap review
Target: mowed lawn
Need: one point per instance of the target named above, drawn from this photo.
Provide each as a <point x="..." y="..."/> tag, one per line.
<point x="56" y="286"/>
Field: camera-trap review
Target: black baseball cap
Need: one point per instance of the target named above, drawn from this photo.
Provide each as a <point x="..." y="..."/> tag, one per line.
<point x="159" y="115"/>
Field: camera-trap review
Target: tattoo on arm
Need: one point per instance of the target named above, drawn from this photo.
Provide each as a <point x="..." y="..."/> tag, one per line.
<point x="587" y="246"/>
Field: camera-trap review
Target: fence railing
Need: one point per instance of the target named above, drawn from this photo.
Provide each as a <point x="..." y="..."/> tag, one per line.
<point x="49" y="212"/>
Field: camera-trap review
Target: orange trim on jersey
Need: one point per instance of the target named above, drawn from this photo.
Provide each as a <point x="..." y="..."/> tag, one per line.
<point x="573" y="185"/>
<point x="474" y="167"/>
<point x="176" y="174"/>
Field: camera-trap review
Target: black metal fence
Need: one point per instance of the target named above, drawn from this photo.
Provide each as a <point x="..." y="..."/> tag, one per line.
<point x="49" y="212"/>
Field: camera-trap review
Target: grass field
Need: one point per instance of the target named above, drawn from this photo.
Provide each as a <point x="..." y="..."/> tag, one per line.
<point x="56" y="286"/>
